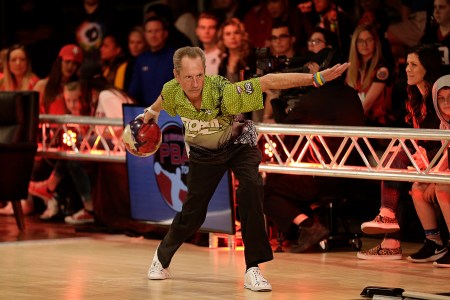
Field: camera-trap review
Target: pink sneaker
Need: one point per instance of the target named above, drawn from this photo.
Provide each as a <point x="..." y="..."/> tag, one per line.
<point x="80" y="217"/>
<point x="40" y="189"/>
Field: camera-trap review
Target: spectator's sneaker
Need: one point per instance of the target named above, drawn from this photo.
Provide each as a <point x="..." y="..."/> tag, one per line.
<point x="81" y="217"/>
<point x="379" y="253"/>
<point x="52" y="209"/>
<point x="429" y="252"/>
<point x="40" y="189"/>
<point x="309" y="236"/>
<point x="255" y="281"/>
<point x="443" y="262"/>
<point x="156" y="270"/>
<point x="380" y="225"/>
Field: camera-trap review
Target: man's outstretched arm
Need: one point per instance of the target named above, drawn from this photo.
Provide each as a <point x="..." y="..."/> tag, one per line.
<point x="280" y="81"/>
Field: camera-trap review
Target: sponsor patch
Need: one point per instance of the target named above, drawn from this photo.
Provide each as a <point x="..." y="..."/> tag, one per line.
<point x="382" y="73"/>
<point x="239" y="89"/>
<point x="248" y="88"/>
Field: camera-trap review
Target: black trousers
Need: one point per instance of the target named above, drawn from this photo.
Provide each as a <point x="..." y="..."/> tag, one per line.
<point x="202" y="181"/>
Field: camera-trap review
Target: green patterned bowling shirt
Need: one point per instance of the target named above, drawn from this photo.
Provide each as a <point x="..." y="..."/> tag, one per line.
<point x="212" y="125"/>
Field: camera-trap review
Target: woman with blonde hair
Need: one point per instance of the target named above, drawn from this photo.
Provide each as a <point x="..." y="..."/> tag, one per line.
<point x="235" y="51"/>
<point x="370" y="75"/>
<point x="17" y="73"/>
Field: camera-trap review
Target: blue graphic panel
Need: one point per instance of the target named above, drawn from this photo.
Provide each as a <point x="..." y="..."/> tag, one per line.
<point x="158" y="183"/>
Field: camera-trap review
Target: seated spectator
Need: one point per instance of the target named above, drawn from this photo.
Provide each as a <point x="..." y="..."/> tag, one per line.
<point x="423" y="67"/>
<point x="424" y="195"/>
<point x="289" y="199"/>
<point x="47" y="189"/>
<point x="104" y="99"/>
<point x="64" y="70"/>
<point x="439" y="33"/>
<point x="175" y="38"/>
<point x="206" y="31"/>
<point x="111" y="56"/>
<point x="369" y="75"/>
<point x="154" y="66"/>
<point x="136" y="46"/>
<point x="17" y="72"/>
<point x="258" y="21"/>
<point x="334" y="19"/>
<point x="17" y="76"/>
<point x="237" y="63"/>
<point x="415" y="15"/>
<point x="282" y="46"/>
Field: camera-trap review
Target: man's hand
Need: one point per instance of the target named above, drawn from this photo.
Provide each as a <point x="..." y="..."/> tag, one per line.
<point x="149" y="116"/>
<point x="334" y="72"/>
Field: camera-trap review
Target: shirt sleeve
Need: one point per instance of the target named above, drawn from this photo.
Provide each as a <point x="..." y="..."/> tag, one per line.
<point x="242" y="97"/>
<point x="382" y="75"/>
<point x="168" y="94"/>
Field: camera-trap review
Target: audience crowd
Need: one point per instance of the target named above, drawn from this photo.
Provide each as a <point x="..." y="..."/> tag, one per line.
<point x="102" y="58"/>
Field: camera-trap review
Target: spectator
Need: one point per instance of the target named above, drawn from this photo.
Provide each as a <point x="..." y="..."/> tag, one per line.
<point x="64" y="69"/>
<point x="335" y="20"/>
<point x="369" y="75"/>
<point x="136" y="46"/>
<point x="423" y="66"/>
<point x="47" y="189"/>
<point x="91" y="22"/>
<point x="237" y="62"/>
<point x="111" y="56"/>
<point x="258" y="21"/>
<point x="439" y="33"/>
<point x="424" y="195"/>
<point x="153" y="66"/>
<point x="415" y="15"/>
<point x="175" y="38"/>
<point x="289" y="199"/>
<point x="207" y="26"/>
<point x="17" y="73"/>
<point x="282" y="44"/>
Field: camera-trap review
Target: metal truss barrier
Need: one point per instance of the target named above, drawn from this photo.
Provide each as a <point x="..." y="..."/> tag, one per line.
<point x="360" y="140"/>
<point x="99" y="139"/>
<point x="81" y="138"/>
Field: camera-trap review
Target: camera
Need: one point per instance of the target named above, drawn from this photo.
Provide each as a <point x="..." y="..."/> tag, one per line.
<point x="266" y="62"/>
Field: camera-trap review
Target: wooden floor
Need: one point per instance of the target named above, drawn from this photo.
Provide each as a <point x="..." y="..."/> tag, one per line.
<point x="52" y="261"/>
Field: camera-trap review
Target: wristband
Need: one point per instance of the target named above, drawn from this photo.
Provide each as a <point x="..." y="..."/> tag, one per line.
<point x="155" y="113"/>
<point x="318" y="79"/>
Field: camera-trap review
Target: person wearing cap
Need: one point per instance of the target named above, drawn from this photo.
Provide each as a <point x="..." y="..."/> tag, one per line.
<point x="64" y="69"/>
<point x="51" y="101"/>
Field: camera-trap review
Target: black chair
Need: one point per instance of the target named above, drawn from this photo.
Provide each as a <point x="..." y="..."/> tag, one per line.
<point x="19" y="121"/>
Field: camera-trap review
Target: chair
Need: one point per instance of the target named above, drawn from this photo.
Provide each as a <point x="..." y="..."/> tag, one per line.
<point x="19" y="120"/>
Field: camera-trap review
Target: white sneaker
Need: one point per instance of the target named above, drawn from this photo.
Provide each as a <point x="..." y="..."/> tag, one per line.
<point x="52" y="209"/>
<point x="255" y="281"/>
<point x="156" y="270"/>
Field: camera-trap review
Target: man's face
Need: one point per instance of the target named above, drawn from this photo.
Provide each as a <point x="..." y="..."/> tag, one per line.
<point x="155" y="35"/>
<point x="191" y="77"/>
<point x="442" y="12"/>
<point x="281" y="41"/>
<point x="206" y="30"/>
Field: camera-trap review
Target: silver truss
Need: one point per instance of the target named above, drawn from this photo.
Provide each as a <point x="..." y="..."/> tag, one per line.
<point x="377" y="163"/>
<point x="101" y="141"/>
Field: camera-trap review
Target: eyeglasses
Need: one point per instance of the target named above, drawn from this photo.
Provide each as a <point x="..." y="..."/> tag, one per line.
<point x="279" y="37"/>
<point x="364" y="42"/>
<point x="315" y="42"/>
